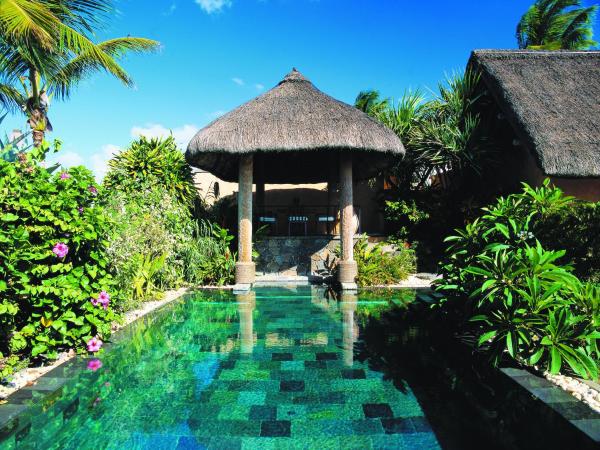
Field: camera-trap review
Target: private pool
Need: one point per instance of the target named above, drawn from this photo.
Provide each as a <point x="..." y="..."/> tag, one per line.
<point x="272" y="368"/>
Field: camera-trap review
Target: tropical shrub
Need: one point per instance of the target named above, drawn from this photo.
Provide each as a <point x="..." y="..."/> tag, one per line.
<point x="433" y="188"/>
<point x="55" y="289"/>
<point x="157" y="241"/>
<point x="575" y="227"/>
<point x="213" y="262"/>
<point x="378" y="266"/>
<point x="148" y="161"/>
<point x="516" y="296"/>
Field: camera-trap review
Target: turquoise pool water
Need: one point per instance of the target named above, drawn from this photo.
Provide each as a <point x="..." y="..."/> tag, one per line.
<point x="273" y="368"/>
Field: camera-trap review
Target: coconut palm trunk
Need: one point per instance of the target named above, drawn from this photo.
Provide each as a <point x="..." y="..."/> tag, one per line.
<point x="47" y="47"/>
<point x="36" y="113"/>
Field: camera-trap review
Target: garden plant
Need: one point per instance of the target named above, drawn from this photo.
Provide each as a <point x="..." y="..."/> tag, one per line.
<point x="521" y="299"/>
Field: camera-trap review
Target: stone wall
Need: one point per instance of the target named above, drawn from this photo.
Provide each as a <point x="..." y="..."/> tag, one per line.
<point x="294" y="255"/>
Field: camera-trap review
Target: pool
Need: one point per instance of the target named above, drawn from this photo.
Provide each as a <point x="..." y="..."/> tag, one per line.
<point x="271" y="368"/>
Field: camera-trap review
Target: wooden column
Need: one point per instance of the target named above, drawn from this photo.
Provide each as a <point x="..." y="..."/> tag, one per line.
<point x="347" y="266"/>
<point x="244" y="268"/>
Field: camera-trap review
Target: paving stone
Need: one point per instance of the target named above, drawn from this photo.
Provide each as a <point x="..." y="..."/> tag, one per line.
<point x="292" y="386"/>
<point x="375" y="410"/>
<point x="275" y="428"/>
<point x="262" y="412"/>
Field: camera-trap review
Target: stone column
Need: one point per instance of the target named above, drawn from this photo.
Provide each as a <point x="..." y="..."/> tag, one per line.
<point x="347" y="266"/>
<point x="244" y="268"/>
<point x="246" y="304"/>
<point x="348" y="304"/>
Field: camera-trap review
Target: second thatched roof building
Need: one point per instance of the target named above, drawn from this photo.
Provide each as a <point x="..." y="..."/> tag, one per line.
<point x="548" y="108"/>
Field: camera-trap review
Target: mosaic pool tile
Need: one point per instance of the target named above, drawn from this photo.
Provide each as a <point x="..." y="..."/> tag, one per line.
<point x="292" y="386"/>
<point x="292" y="365"/>
<point x="252" y="398"/>
<point x="275" y="428"/>
<point x="199" y="382"/>
<point x="377" y="410"/>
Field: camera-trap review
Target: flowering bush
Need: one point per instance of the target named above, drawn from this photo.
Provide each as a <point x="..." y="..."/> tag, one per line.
<point x="54" y="285"/>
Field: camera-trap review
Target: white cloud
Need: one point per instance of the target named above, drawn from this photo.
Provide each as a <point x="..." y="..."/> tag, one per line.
<point x="213" y="6"/>
<point x="100" y="160"/>
<point x="69" y="159"/>
<point x="171" y="9"/>
<point x="183" y="135"/>
<point x="259" y="86"/>
<point x="213" y="115"/>
<point x="238" y="81"/>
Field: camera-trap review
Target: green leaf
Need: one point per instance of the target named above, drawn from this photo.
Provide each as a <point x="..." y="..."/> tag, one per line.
<point x="555" y="360"/>
<point x="9" y="217"/>
<point x="486" y="337"/>
<point x="39" y="348"/>
<point x="536" y="356"/>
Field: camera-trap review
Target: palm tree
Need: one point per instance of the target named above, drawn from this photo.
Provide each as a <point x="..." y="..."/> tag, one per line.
<point x="46" y="49"/>
<point x="557" y="24"/>
<point x="370" y="102"/>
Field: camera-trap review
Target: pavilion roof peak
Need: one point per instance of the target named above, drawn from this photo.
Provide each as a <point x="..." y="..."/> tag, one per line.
<point x="298" y="131"/>
<point x="294" y="75"/>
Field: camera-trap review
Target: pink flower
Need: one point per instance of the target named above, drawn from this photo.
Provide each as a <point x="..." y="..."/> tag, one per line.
<point x="94" y="301"/>
<point x="80" y="209"/>
<point x="60" y="249"/>
<point x="94" y="344"/>
<point x="64" y="176"/>
<point x="93" y="190"/>
<point x="94" y="364"/>
<point x="104" y="299"/>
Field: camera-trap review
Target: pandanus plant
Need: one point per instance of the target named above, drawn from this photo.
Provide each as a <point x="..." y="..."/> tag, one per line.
<point x="46" y="49"/>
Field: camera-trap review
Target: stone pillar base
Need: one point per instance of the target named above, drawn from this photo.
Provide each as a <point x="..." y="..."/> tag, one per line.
<point x="347" y="272"/>
<point x="245" y="273"/>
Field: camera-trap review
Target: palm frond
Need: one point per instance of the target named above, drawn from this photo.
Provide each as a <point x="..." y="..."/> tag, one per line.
<point x="27" y="21"/>
<point x="98" y="57"/>
<point x="117" y="47"/>
<point x="83" y="15"/>
<point x="11" y="98"/>
<point x="556" y="24"/>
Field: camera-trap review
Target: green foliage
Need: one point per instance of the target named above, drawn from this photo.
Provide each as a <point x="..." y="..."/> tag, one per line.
<point x="218" y="265"/>
<point x="47" y="49"/>
<point x="556" y="25"/>
<point x="515" y="295"/>
<point x="575" y="227"/>
<point x="442" y="176"/>
<point x="380" y="266"/>
<point x="45" y="298"/>
<point x="406" y="215"/>
<point x="155" y="243"/>
<point x="148" y="161"/>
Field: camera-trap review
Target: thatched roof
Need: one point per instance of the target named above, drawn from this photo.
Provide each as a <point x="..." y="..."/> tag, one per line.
<point x="552" y="100"/>
<point x="296" y="133"/>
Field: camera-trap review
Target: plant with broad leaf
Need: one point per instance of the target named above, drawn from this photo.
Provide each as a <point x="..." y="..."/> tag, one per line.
<point x="517" y="297"/>
<point x="52" y="259"/>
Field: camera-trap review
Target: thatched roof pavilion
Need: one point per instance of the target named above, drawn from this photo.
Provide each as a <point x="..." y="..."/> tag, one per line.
<point x="294" y="133"/>
<point x="552" y="101"/>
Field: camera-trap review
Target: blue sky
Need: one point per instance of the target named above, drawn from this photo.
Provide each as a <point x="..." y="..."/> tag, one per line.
<point x="217" y="54"/>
